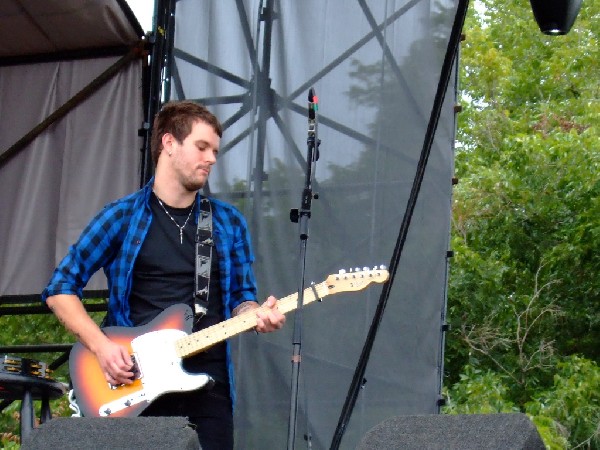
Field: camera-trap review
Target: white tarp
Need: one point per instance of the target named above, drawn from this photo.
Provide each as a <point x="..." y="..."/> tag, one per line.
<point x="50" y="190"/>
<point x="375" y="66"/>
<point x="52" y="187"/>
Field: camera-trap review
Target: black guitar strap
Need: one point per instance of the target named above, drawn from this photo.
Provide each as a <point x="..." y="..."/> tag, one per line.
<point x="204" y="248"/>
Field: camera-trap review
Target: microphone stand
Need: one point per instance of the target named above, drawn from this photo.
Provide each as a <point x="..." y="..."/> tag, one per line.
<point x="301" y="216"/>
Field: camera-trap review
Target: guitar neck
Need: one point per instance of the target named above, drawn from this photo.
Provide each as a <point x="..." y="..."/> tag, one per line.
<point x="203" y="339"/>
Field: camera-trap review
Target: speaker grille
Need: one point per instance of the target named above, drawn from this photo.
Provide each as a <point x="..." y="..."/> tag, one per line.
<point x="464" y="432"/>
<point x="140" y="433"/>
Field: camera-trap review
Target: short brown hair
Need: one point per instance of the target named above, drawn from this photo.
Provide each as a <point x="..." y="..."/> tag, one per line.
<point x="177" y="118"/>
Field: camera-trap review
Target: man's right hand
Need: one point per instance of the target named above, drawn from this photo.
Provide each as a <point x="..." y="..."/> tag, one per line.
<point x="113" y="358"/>
<point x="115" y="362"/>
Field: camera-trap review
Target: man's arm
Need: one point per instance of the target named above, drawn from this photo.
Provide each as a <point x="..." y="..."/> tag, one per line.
<point x="114" y="359"/>
<point x="268" y="317"/>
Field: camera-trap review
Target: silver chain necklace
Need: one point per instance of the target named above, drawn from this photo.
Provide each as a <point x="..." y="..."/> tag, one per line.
<point x="174" y="221"/>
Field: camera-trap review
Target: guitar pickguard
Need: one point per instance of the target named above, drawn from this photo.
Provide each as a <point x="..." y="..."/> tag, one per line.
<point x="160" y="370"/>
<point x="160" y="367"/>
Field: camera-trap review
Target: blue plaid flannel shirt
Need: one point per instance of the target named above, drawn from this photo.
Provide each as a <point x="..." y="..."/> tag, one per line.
<point x="112" y="240"/>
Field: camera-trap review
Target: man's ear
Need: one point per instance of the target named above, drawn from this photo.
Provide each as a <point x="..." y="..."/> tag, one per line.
<point x="167" y="143"/>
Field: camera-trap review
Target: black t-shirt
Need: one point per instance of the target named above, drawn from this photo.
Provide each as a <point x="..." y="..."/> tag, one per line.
<point x="163" y="275"/>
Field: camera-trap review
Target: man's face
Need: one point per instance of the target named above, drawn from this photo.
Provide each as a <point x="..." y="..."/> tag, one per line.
<point x="192" y="159"/>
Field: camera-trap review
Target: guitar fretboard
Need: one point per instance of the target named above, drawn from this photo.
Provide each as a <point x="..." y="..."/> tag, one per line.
<point x="203" y="339"/>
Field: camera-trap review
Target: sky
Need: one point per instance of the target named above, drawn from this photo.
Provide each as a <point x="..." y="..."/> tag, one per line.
<point x="143" y="10"/>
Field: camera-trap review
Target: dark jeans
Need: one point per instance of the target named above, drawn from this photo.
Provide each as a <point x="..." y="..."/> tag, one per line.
<point x="209" y="410"/>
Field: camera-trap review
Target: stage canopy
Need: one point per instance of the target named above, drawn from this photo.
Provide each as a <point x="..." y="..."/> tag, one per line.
<point x="70" y="110"/>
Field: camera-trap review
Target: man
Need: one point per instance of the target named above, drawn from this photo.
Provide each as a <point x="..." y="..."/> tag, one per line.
<point x="145" y="243"/>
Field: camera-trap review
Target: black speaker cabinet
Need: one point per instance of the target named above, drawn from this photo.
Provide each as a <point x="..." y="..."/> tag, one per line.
<point x="458" y="432"/>
<point x="140" y="433"/>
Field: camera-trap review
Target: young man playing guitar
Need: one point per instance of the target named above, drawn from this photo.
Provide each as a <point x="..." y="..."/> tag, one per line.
<point x="147" y="245"/>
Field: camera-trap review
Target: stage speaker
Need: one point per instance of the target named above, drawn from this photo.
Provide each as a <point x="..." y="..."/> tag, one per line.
<point x="140" y="433"/>
<point x="464" y="432"/>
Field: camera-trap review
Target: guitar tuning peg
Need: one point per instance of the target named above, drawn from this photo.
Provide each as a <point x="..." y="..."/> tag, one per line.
<point x="342" y="271"/>
<point x="357" y="269"/>
<point x="366" y="269"/>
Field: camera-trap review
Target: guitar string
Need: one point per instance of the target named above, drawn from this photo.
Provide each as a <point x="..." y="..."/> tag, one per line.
<point x="238" y="323"/>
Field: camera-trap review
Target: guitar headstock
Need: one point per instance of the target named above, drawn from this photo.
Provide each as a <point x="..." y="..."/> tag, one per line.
<point x="355" y="280"/>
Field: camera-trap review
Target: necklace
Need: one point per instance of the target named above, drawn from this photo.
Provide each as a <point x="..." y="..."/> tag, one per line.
<point x="174" y="221"/>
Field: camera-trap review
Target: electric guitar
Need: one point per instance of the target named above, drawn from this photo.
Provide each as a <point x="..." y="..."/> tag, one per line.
<point x="158" y="348"/>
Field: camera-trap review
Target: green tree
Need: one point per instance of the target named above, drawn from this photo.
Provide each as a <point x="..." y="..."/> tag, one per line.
<point x="523" y="289"/>
<point x="487" y="392"/>
<point x="573" y="402"/>
<point x="32" y="329"/>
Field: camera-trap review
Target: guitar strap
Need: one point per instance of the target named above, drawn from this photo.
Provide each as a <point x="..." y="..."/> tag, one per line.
<point x="204" y="248"/>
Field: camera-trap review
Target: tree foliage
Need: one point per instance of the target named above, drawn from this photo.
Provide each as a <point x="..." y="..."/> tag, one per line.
<point x="524" y="289"/>
<point x="34" y="329"/>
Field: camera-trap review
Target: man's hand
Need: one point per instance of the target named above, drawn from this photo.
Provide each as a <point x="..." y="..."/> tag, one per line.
<point x="113" y="358"/>
<point x="268" y="316"/>
<point x="115" y="362"/>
